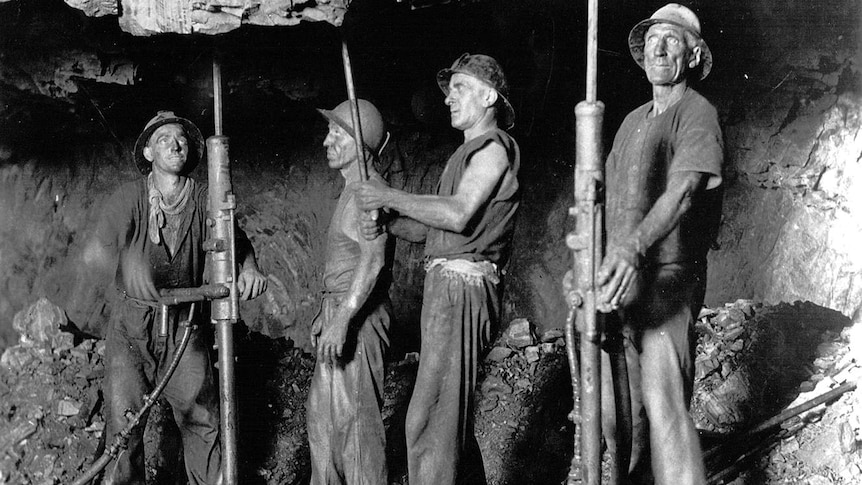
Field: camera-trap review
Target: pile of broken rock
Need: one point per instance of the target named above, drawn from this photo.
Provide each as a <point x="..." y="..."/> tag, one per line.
<point x="49" y="400"/>
<point x="756" y="361"/>
<point x="753" y="361"/>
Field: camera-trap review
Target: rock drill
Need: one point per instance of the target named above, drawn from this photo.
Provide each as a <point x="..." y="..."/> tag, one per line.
<point x="221" y="290"/>
<point x="223" y="271"/>
<point x="586" y="243"/>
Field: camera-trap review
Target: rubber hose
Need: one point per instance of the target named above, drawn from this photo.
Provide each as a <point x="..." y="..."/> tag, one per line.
<point x="122" y="437"/>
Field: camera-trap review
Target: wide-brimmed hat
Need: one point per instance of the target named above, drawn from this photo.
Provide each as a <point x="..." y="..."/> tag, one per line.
<point x="674" y="14"/>
<point x="370" y="121"/>
<point x="164" y="118"/>
<point x="486" y="69"/>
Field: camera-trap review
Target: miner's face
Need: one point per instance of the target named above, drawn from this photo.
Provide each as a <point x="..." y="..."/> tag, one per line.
<point x="468" y="99"/>
<point x="168" y="149"/>
<point x="340" y="147"/>
<point x="667" y="54"/>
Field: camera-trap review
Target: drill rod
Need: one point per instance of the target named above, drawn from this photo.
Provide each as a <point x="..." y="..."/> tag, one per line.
<point x="222" y="256"/>
<point x="354" y="112"/>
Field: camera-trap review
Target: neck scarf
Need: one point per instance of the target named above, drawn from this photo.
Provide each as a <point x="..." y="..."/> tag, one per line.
<point x="158" y="207"/>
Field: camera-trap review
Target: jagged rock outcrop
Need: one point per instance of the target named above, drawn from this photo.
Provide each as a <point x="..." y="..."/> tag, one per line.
<point x="95" y="8"/>
<point x="56" y="74"/>
<point x="793" y="216"/>
<point x="149" y="17"/>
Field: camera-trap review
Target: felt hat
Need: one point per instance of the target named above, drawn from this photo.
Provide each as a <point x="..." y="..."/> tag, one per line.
<point x="674" y="14"/>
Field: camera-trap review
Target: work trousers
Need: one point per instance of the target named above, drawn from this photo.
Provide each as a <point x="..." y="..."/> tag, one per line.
<point x="457" y="322"/>
<point x="659" y="346"/>
<point x="343" y="412"/>
<point x="136" y="359"/>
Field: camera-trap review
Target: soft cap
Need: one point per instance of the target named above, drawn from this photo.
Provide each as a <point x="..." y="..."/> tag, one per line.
<point x="486" y="69"/>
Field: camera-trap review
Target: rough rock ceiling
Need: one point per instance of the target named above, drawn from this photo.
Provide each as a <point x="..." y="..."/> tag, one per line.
<point x="49" y="53"/>
<point x="149" y="17"/>
<point x="48" y="48"/>
<point x="57" y="75"/>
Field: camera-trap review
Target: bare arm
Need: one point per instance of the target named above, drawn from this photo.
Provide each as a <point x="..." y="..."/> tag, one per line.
<point x="453" y="212"/>
<point x="623" y="259"/>
<point x="399" y="226"/>
<point x="408" y="229"/>
<point x="371" y="260"/>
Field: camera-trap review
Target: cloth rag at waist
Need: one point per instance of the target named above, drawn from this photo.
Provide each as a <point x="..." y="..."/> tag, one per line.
<point x="471" y="272"/>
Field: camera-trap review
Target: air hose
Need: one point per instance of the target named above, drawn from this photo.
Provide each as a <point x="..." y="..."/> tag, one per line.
<point x="122" y="438"/>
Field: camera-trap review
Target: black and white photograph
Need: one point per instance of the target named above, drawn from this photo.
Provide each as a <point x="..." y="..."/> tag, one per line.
<point x="430" y="242"/>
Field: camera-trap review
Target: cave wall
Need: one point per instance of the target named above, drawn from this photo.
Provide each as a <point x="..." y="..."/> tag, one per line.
<point x="45" y="213"/>
<point x="792" y="221"/>
<point x="792" y="227"/>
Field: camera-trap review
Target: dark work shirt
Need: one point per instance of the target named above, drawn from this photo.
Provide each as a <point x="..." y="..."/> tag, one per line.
<point x="123" y="227"/>
<point x="488" y="234"/>
<point x="646" y="150"/>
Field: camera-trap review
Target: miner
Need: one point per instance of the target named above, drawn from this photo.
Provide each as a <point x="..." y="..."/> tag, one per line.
<point x="155" y="226"/>
<point x="467" y="227"/>
<point x="351" y="331"/>
<point x="663" y="175"/>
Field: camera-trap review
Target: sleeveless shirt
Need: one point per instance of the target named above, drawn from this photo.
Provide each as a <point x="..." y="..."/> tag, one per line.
<point x="488" y="234"/>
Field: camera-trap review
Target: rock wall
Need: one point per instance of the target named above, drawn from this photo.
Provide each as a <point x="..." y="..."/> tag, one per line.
<point x="792" y="221"/>
<point x="45" y="211"/>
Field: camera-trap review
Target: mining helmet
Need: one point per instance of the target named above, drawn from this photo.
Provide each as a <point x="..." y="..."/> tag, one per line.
<point x="486" y="69"/>
<point x="371" y="122"/>
<point x="165" y="118"/>
<point x="674" y="14"/>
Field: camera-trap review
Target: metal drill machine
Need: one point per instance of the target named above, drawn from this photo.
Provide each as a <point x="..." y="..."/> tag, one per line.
<point x="221" y="290"/>
<point x="221" y="249"/>
<point x="586" y="243"/>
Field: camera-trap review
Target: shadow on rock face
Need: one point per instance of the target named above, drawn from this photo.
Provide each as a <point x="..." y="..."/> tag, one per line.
<point x="753" y="360"/>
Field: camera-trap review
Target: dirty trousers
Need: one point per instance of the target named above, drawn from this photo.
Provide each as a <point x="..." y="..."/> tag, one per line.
<point x="345" y="426"/>
<point x="136" y="358"/>
<point x="457" y="322"/>
<point x="658" y="343"/>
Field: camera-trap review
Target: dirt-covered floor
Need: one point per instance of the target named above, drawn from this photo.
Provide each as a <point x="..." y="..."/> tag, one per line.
<point x="753" y="361"/>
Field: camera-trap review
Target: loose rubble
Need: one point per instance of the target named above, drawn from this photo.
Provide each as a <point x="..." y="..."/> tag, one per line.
<point x="50" y="402"/>
<point x="753" y="360"/>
